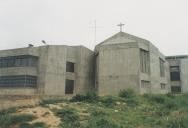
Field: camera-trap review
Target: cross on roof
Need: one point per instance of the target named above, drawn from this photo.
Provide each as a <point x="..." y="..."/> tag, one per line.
<point x="120" y="26"/>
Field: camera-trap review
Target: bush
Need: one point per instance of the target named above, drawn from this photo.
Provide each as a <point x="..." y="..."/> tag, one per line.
<point x="35" y="125"/>
<point x="7" y="111"/>
<point x="69" y="117"/>
<point x="170" y="104"/>
<point x="78" y="98"/>
<point x="179" y="122"/>
<point x="155" y="98"/>
<point x="7" y="119"/>
<point x="133" y="102"/>
<point x="129" y="93"/>
<point x="99" y="119"/>
<point x="108" y="101"/>
<point x="39" y="125"/>
<point x="170" y="95"/>
<point x="92" y="96"/>
<point x="89" y="97"/>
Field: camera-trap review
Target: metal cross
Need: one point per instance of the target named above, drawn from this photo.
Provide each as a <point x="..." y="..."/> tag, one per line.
<point x="120" y="26"/>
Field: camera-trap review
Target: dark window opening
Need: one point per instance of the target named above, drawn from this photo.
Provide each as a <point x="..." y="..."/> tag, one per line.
<point x="162" y="67"/>
<point x="163" y="86"/>
<point x="144" y="61"/>
<point x="174" y="73"/>
<point x="69" y="67"/>
<point x="176" y="89"/>
<point x="18" y="81"/>
<point x="145" y="84"/>
<point x="175" y="76"/>
<point x="69" y="86"/>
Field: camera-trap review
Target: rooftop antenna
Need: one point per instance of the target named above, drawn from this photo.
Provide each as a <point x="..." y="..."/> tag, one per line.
<point x="120" y="26"/>
<point x="95" y="31"/>
<point x="44" y="42"/>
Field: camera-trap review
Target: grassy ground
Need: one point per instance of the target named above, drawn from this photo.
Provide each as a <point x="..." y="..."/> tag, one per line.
<point x="91" y="111"/>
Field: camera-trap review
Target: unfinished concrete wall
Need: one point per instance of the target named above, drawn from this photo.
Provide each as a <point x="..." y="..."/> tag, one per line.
<point x="155" y="77"/>
<point x="51" y="69"/>
<point x="118" y="67"/>
<point x="184" y="75"/>
<point x="56" y="74"/>
<point x="85" y="69"/>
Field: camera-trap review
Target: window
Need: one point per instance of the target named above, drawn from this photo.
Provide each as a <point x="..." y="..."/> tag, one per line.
<point x="162" y="67"/>
<point x="69" y="67"/>
<point x="163" y="86"/>
<point x="145" y="84"/>
<point x="174" y="73"/>
<point x="18" y="81"/>
<point x="144" y="61"/>
<point x="69" y="86"/>
<point x="175" y="89"/>
<point x="18" y="61"/>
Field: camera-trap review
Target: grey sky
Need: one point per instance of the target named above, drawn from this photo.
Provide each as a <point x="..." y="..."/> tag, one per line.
<point x="69" y="22"/>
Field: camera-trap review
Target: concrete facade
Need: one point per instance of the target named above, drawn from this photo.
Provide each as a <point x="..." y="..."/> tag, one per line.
<point x="118" y="61"/>
<point x="178" y="73"/>
<point x="51" y="70"/>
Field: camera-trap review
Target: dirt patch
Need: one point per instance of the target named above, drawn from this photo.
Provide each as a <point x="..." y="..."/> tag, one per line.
<point x="43" y="115"/>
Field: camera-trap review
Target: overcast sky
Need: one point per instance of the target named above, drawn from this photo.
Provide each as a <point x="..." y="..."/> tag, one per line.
<point x="70" y="22"/>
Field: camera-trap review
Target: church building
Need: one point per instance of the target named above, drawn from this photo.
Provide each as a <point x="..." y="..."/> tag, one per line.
<point x="120" y="62"/>
<point x="125" y="61"/>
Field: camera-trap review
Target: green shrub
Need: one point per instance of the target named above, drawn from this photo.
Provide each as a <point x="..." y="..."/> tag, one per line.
<point x="155" y="98"/>
<point x="108" y="101"/>
<point x="7" y="119"/>
<point x="89" y="97"/>
<point x="69" y="117"/>
<point x="132" y="102"/>
<point x="26" y="125"/>
<point x="92" y="96"/>
<point x="99" y="119"/>
<point x="78" y="98"/>
<point x="35" y="125"/>
<point x="22" y="118"/>
<point x="129" y="93"/>
<point x="177" y="123"/>
<point x="170" y="95"/>
<point x="9" y="110"/>
<point x="171" y="105"/>
<point x="39" y="125"/>
<point x="98" y="113"/>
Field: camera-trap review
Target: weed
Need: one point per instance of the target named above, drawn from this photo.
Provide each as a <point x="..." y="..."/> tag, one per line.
<point x="69" y="117"/>
<point x="7" y="119"/>
<point x="129" y="93"/>
<point x="91" y="96"/>
<point x="108" y="101"/>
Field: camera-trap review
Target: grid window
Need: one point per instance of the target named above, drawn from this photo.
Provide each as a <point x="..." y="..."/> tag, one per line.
<point x="18" y="81"/>
<point x="162" y="67"/>
<point x="144" y="61"/>
<point x="145" y="84"/>
<point x="18" y="61"/>
<point x="69" y="67"/>
<point x="69" y="86"/>
<point x="174" y="73"/>
<point x="163" y="86"/>
<point x="175" y="89"/>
